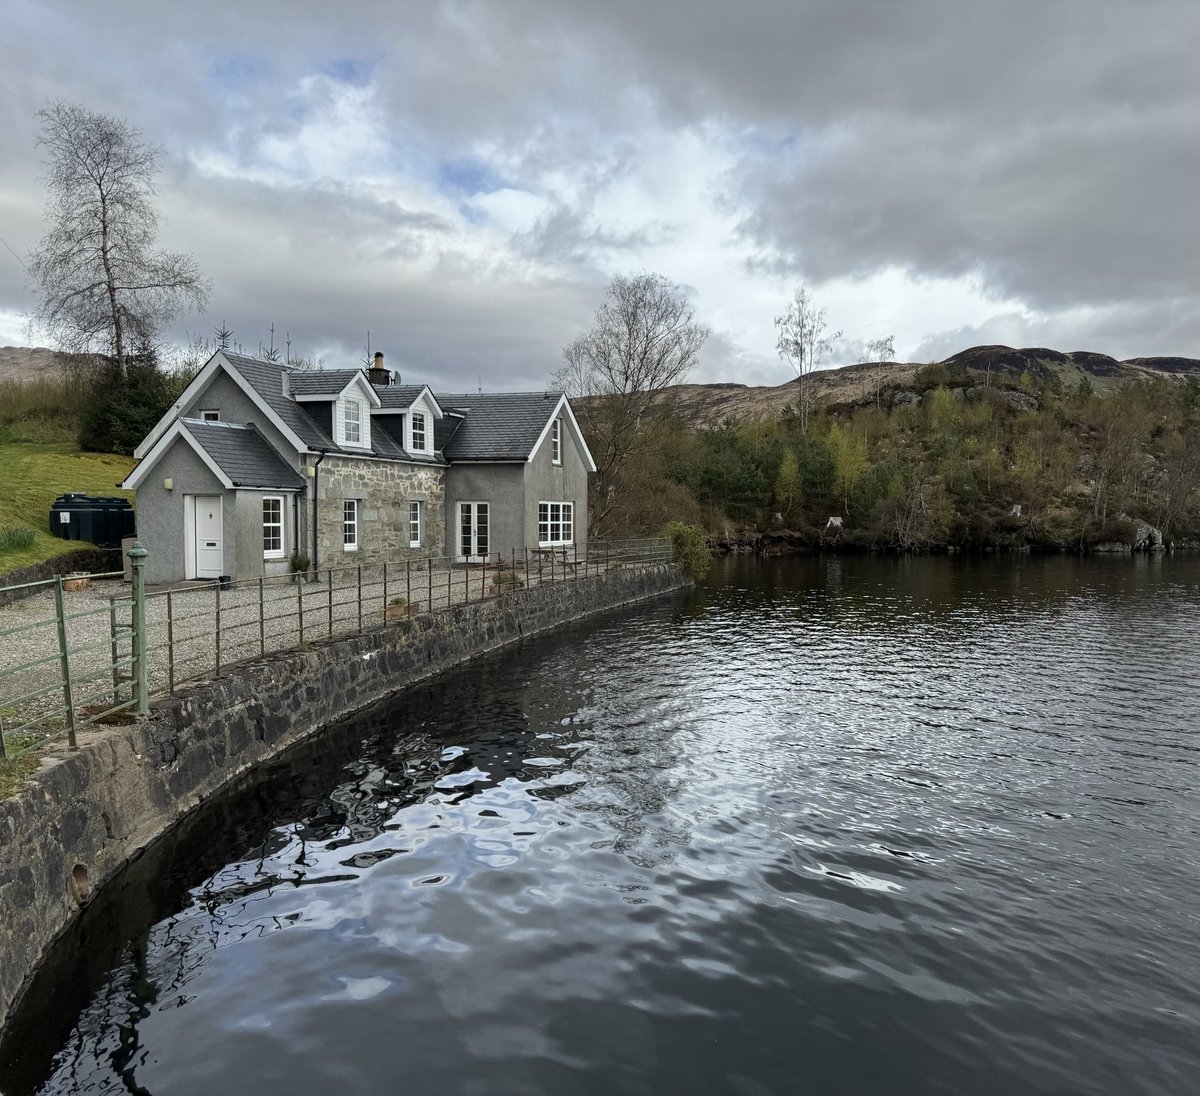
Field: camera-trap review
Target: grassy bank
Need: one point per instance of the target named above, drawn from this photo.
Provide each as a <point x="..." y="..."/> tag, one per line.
<point x="32" y="475"/>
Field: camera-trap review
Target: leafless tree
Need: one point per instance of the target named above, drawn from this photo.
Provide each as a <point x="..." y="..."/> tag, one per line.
<point x="104" y="288"/>
<point x="803" y="341"/>
<point x="882" y="352"/>
<point x="644" y="340"/>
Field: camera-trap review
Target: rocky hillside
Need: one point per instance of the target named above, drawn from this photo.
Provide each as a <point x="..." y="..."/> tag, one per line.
<point x="20" y="362"/>
<point x="856" y="384"/>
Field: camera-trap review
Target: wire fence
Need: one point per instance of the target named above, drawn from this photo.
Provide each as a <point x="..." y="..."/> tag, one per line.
<point x="102" y="652"/>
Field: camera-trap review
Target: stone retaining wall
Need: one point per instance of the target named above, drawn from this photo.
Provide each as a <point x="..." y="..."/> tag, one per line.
<point x="92" y="560"/>
<point x="86" y="814"/>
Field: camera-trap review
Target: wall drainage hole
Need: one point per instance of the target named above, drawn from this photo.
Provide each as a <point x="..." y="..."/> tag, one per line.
<point x="80" y="883"/>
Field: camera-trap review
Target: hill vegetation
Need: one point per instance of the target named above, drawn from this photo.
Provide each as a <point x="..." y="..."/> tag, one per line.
<point x="993" y="448"/>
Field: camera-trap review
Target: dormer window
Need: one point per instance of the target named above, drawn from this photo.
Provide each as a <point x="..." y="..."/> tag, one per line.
<point x="556" y="441"/>
<point x="418" y="432"/>
<point x="352" y="421"/>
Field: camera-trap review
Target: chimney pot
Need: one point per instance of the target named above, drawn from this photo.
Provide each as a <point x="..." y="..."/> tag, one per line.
<point x="378" y="375"/>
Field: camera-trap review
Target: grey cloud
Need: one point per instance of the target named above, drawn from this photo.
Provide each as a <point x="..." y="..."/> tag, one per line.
<point x="1049" y="149"/>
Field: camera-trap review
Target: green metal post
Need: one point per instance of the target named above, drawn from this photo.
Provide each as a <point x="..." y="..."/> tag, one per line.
<point x="112" y="631"/>
<point x="170" y="646"/>
<point x="218" y="631"/>
<point x="64" y="659"/>
<point x="360" y="599"/>
<point x="262" y="621"/>
<point x="141" y="672"/>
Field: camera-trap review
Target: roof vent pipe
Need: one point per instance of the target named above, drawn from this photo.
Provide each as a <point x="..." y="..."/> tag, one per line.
<point x="378" y="374"/>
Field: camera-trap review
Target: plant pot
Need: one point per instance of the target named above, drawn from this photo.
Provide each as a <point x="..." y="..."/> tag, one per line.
<point x="77" y="582"/>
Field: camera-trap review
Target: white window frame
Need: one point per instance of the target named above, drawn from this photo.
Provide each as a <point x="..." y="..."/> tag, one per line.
<point x="350" y="520"/>
<point x="423" y="445"/>
<point x="210" y="414"/>
<point x="556" y="442"/>
<point x="273" y="553"/>
<point x="416" y="523"/>
<point x="474" y="555"/>
<point x="556" y="517"/>
<point x="348" y="402"/>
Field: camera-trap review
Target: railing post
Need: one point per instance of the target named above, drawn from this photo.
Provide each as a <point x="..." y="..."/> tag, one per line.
<point x="64" y="659"/>
<point x="170" y="646"/>
<point x="300" y="611"/>
<point x="429" y="566"/>
<point x="218" y="614"/>
<point x="329" y="599"/>
<point x="385" y="600"/>
<point x="262" y="620"/>
<point x="116" y="654"/>
<point x="141" y="672"/>
<point x="360" y="599"/>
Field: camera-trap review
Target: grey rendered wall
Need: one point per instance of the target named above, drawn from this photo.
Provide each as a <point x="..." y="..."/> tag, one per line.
<point x="160" y="521"/>
<point x="549" y="482"/>
<point x="248" y="519"/>
<point x="235" y="406"/>
<point x="384" y="490"/>
<point x="502" y="486"/>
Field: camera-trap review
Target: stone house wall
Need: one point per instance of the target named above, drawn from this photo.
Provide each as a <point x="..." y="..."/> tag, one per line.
<point x="383" y="490"/>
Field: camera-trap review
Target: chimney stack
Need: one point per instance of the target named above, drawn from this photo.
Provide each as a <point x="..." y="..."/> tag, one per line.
<point x="378" y="374"/>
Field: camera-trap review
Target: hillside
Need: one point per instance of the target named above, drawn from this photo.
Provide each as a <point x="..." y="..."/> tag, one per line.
<point x="855" y="385"/>
<point x="25" y="362"/>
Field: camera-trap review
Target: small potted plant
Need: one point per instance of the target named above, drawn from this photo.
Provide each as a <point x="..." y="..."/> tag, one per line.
<point x="299" y="564"/>
<point x="505" y="579"/>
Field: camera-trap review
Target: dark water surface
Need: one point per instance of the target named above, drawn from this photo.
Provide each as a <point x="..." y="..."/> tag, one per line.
<point x="820" y="826"/>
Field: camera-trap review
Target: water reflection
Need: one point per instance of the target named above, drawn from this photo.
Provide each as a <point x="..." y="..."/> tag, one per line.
<point x="855" y="824"/>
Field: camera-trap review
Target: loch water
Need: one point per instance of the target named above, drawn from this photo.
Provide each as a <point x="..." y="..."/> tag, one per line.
<point x="824" y="825"/>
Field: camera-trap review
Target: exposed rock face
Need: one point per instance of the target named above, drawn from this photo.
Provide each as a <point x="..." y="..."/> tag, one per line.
<point x="1145" y="537"/>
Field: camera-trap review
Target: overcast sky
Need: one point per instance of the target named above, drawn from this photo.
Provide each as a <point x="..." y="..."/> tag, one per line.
<point x="462" y="179"/>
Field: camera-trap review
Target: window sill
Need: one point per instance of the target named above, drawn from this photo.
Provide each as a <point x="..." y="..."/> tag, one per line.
<point x="274" y="555"/>
<point x="349" y="547"/>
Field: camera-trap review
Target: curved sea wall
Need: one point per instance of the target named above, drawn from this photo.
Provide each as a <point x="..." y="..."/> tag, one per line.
<point x="86" y="813"/>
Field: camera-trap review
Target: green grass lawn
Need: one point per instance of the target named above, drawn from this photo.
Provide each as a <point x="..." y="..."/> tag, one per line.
<point x="33" y="474"/>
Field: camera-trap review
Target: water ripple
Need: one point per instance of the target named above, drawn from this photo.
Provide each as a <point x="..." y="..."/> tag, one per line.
<point x="851" y="825"/>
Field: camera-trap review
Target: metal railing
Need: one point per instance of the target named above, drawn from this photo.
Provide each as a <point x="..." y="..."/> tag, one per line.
<point x="131" y="645"/>
<point x="78" y="674"/>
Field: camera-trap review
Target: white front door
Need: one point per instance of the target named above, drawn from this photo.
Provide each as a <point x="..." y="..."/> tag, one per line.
<point x="473" y="544"/>
<point x="210" y="553"/>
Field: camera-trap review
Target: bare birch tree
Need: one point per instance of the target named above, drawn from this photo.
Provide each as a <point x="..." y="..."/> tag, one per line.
<point x="104" y="287"/>
<point x="803" y="341"/>
<point x="644" y="340"/>
<point x="882" y="352"/>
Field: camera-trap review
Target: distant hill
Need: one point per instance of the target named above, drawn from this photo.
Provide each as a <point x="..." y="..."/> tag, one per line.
<point x="20" y="362"/>
<point x="856" y="384"/>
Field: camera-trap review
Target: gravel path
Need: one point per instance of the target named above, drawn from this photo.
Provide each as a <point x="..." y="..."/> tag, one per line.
<point x="187" y="635"/>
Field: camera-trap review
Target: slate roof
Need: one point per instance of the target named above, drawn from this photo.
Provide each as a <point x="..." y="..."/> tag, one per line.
<point x="399" y="396"/>
<point x="266" y="378"/>
<point x="319" y="382"/>
<point x="500" y="426"/>
<point x="243" y="454"/>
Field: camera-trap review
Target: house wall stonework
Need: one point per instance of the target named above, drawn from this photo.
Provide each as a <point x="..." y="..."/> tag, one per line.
<point x="383" y="489"/>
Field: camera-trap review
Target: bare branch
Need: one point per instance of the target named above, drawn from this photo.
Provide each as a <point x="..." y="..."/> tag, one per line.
<point x="103" y="287"/>
<point x="644" y="340"/>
